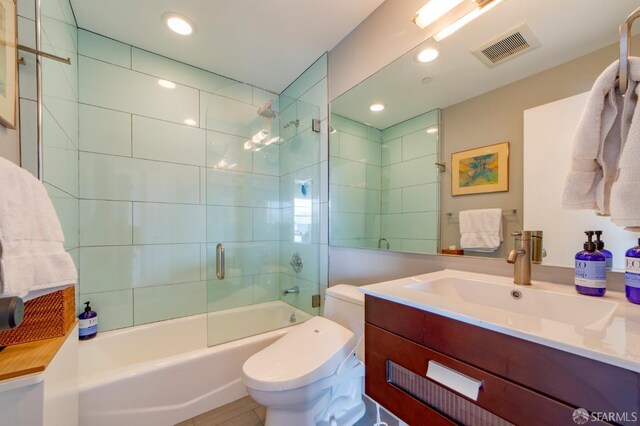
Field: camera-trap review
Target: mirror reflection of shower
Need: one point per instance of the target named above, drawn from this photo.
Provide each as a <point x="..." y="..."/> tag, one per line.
<point x="267" y="111"/>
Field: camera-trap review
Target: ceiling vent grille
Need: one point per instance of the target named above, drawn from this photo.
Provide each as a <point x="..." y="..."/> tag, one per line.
<point x="509" y="45"/>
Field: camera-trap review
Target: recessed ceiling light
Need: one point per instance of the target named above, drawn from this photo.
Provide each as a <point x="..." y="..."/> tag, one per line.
<point x="432" y="130"/>
<point x="167" y="84"/>
<point x="427" y="55"/>
<point x="190" y="122"/>
<point x="376" y="107"/>
<point x="179" y="24"/>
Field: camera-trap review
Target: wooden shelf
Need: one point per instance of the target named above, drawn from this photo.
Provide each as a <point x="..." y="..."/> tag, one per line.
<point x="30" y="358"/>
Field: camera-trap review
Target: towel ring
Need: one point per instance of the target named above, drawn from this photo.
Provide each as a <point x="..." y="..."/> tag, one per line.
<point x="625" y="47"/>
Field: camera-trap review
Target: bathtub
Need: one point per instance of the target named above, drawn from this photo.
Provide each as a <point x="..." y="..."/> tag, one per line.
<point x="163" y="373"/>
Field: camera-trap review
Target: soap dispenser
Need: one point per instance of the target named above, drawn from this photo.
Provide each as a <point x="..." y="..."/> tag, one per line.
<point x="88" y="323"/>
<point x="591" y="269"/>
<point x="632" y="274"/>
<point x="600" y="247"/>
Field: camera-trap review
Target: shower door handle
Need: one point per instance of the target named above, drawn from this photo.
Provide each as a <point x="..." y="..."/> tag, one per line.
<point x="220" y="261"/>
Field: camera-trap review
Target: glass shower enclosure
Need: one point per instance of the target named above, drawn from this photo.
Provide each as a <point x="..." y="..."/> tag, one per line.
<point x="262" y="189"/>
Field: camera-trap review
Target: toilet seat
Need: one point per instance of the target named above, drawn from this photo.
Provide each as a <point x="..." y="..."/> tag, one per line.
<point x="310" y="352"/>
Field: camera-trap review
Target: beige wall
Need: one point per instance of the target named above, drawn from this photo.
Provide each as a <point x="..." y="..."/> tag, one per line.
<point x="497" y="116"/>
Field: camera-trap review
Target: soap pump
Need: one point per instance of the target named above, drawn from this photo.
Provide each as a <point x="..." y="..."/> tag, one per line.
<point x="88" y="323"/>
<point x="590" y="272"/>
<point x="600" y="247"/>
<point x="632" y="274"/>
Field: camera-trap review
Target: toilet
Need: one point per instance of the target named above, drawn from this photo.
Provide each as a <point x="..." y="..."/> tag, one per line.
<point x="314" y="374"/>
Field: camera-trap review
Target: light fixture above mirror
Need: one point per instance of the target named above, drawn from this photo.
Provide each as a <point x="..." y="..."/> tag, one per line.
<point x="432" y="11"/>
<point x="483" y="6"/>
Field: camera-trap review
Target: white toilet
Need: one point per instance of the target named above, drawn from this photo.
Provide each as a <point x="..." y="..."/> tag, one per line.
<point x="313" y="375"/>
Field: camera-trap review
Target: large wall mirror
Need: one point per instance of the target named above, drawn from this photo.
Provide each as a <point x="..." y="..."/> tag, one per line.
<point x="391" y="169"/>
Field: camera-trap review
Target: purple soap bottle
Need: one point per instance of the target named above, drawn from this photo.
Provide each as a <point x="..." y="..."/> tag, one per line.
<point x="591" y="270"/>
<point x="600" y="247"/>
<point x="632" y="274"/>
<point x="87" y="323"/>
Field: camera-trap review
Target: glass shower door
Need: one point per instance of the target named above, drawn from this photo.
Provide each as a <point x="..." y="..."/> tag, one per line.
<point x="246" y="194"/>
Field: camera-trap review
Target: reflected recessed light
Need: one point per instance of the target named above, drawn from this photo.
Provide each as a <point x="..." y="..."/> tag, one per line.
<point x="190" y="122"/>
<point x="427" y="55"/>
<point x="432" y="130"/>
<point x="179" y="24"/>
<point x="376" y="107"/>
<point x="167" y="84"/>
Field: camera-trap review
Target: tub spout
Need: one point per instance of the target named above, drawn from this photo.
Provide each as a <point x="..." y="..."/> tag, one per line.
<point x="292" y="290"/>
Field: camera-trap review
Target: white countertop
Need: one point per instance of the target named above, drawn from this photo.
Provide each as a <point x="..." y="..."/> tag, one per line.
<point x="614" y="340"/>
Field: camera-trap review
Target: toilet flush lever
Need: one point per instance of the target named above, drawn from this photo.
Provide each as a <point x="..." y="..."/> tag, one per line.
<point x="220" y="261"/>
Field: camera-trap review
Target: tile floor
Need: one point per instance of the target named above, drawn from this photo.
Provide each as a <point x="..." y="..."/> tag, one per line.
<point x="247" y="412"/>
<point x="243" y="412"/>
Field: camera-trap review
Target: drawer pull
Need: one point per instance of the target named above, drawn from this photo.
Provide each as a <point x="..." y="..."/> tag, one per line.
<point x="455" y="381"/>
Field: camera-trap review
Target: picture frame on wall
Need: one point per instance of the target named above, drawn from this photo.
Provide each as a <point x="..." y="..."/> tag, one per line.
<point x="480" y="170"/>
<point x="9" y="64"/>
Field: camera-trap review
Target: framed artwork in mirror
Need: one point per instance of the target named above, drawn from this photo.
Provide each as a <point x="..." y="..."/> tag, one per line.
<point x="480" y="170"/>
<point x="9" y="64"/>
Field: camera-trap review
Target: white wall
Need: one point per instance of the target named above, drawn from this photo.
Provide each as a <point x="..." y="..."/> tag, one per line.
<point x="548" y="142"/>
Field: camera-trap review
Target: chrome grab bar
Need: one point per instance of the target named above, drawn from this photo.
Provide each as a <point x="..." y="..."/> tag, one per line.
<point x="220" y="261"/>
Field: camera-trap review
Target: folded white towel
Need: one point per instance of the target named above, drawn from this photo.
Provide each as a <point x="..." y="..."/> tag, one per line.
<point x="481" y="230"/>
<point x="32" y="256"/>
<point x="625" y="196"/>
<point x="597" y="145"/>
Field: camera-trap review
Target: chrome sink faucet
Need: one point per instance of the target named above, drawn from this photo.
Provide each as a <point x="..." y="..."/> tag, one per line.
<point x="528" y="249"/>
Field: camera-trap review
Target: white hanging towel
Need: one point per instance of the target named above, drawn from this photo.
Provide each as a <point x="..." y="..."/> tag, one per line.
<point x="481" y="230"/>
<point x="625" y="193"/>
<point x="598" y="142"/>
<point x="32" y="257"/>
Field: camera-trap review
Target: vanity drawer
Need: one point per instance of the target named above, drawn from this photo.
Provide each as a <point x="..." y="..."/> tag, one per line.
<point x="579" y="381"/>
<point x="507" y="401"/>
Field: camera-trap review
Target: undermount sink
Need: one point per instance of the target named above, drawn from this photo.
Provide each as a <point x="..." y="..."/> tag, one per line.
<point x="539" y="303"/>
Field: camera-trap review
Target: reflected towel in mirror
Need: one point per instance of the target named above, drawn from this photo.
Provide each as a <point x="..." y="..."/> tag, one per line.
<point x="481" y="230"/>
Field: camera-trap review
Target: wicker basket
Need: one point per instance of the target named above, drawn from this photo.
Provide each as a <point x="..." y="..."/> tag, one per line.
<point x="45" y="317"/>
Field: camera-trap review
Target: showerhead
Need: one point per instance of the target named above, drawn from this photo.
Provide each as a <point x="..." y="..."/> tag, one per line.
<point x="266" y="110"/>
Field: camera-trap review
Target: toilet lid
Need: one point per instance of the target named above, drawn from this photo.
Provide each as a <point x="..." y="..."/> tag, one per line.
<point x="308" y="353"/>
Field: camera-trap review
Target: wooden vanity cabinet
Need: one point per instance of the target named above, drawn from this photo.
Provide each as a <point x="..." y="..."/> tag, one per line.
<point x="523" y="383"/>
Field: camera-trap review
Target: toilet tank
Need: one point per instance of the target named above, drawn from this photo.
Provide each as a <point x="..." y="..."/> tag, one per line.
<point x="344" y="304"/>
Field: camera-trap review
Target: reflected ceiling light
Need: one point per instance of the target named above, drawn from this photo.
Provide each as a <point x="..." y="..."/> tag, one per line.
<point x="432" y="11"/>
<point x="167" y="84"/>
<point x="190" y="122"/>
<point x="432" y="130"/>
<point x="179" y="24"/>
<point x="484" y="6"/>
<point x="427" y="55"/>
<point x="376" y="107"/>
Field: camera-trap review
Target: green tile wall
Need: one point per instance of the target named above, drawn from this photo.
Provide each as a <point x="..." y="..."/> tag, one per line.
<point x="157" y="193"/>
<point x="384" y="184"/>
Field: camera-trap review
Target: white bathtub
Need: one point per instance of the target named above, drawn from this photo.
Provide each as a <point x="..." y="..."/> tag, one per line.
<point x="163" y="373"/>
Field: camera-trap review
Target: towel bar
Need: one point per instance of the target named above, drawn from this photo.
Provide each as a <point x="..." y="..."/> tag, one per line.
<point x="625" y="45"/>
<point x="513" y="212"/>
